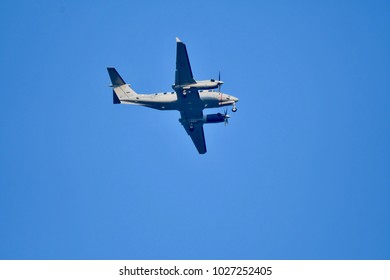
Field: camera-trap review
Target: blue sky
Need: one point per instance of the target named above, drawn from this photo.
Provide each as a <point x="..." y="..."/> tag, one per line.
<point x="301" y="172"/>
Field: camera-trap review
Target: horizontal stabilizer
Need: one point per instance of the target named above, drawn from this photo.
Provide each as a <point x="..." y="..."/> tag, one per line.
<point x="116" y="79"/>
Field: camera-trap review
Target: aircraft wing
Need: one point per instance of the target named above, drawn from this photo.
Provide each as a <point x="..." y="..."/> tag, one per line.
<point x="195" y="131"/>
<point x="191" y="110"/>
<point x="183" y="74"/>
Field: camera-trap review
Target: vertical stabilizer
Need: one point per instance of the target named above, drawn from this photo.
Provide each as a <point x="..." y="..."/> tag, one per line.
<point x="116" y="79"/>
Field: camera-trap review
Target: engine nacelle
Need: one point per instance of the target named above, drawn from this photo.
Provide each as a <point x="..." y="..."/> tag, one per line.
<point x="200" y="85"/>
<point x="214" y="118"/>
<point x="211" y="118"/>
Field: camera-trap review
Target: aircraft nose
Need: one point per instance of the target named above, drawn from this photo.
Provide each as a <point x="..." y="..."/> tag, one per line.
<point x="235" y="99"/>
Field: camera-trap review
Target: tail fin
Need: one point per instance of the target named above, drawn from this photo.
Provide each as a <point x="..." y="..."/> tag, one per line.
<point x="122" y="91"/>
<point x="116" y="79"/>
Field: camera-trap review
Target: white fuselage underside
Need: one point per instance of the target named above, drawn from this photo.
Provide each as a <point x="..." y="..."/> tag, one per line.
<point x="169" y="100"/>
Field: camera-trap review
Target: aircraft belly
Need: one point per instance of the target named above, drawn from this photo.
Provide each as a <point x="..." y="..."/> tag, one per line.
<point x="209" y="101"/>
<point x="160" y="105"/>
<point x="174" y="104"/>
<point x="159" y="102"/>
<point x="211" y="104"/>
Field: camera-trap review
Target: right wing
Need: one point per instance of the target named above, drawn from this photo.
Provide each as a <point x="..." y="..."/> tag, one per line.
<point x="183" y="68"/>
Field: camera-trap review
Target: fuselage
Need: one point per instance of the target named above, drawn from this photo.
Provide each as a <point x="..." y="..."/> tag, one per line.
<point x="170" y="101"/>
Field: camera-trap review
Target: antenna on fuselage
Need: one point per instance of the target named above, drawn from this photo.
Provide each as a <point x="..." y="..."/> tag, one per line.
<point x="219" y="87"/>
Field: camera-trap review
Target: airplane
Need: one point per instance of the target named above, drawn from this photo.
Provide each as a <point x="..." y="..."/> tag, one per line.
<point x="190" y="98"/>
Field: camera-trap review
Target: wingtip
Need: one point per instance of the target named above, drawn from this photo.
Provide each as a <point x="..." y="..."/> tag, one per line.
<point x="178" y="40"/>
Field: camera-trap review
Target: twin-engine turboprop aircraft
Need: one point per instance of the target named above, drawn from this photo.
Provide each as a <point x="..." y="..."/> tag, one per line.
<point x="190" y="98"/>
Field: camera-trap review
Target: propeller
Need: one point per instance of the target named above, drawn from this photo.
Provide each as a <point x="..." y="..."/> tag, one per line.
<point x="226" y="117"/>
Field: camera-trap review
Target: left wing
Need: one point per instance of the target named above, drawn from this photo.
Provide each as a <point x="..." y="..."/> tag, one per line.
<point x="183" y="74"/>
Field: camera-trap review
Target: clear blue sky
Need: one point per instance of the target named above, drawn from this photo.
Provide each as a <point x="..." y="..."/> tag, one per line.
<point x="301" y="172"/>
